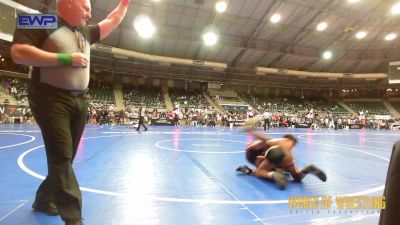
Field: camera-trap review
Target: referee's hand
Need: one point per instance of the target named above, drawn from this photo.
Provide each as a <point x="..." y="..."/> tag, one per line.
<point x="79" y="60"/>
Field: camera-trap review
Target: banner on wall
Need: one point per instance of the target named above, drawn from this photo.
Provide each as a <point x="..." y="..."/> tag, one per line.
<point x="396" y="127"/>
<point x="228" y="107"/>
<point x="12" y="110"/>
<point x="354" y="126"/>
<point x="303" y="125"/>
<point x="161" y="122"/>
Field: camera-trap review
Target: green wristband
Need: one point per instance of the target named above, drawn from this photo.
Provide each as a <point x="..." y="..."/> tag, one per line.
<point x="64" y="59"/>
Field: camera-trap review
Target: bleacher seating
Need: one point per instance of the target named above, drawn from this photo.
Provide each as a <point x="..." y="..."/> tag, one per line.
<point x="231" y="103"/>
<point x="292" y="105"/>
<point x="143" y="96"/>
<point x="101" y="92"/>
<point x="396" y="105"/>
<point x="188" y="99"/>
<point x="330" y="106"/>
<point x="15" y="90"/>
<point x="230" y="99"/>
<point x="283" y="105"/>
<point x="373" y="108"/>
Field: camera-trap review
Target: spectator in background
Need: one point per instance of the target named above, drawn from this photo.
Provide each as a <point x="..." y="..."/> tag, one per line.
<point x="335" y="121"/>
<point x="250" y="113"/>
<point x="5" y="118"/>
<point x="284" y="122"/>
<point x="28" y="116"/>
<point x="177" y="115"/>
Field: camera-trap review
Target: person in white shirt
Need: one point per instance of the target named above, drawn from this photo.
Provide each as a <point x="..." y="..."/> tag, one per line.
<point x="177" y="115"/>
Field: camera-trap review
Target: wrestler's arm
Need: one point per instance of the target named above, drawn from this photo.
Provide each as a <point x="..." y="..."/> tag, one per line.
<point x="259" y="135"/>
<point x="275" y="141"/>
<point x="113" y="19"/>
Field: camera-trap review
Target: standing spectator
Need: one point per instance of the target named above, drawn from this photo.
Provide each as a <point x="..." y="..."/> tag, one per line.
<point x="335" y="121"/>
<point x="177" y="115"/>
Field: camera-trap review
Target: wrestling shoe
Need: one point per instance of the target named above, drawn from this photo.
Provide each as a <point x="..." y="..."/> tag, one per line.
<point x="279" y="178"/>
<point x="315" y="171"/>
<point x="48" y="208"/>
<point x="73" y="222"/>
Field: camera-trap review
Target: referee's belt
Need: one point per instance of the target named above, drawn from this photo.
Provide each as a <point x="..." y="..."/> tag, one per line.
<point x="78" y="93"/>
<point x="74" y="93"/>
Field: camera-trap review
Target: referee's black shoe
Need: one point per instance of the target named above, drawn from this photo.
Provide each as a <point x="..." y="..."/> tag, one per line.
<point x="48" y="208"/>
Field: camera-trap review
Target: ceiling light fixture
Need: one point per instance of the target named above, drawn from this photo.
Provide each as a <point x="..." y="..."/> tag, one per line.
<point x="210" y="38"/>
<point x="276" y="18"/>
<point x="390" y="37"/>
<point x="395" y="10"/>
<point x="144" y="26"/>
<point x="322" y="26"/>
<point x="327" y="55"/>
<point x="221" y="6"/>
<point x="361" y="34"/>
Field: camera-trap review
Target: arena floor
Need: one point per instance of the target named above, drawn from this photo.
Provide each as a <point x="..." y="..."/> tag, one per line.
<point x="186" y="176"/>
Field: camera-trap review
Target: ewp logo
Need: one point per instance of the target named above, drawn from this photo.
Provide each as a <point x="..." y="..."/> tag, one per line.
<point x="37" y="21"/>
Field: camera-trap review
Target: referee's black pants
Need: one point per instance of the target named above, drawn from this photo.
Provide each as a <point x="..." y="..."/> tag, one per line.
<point x="266" y="124"/>
<point x="61" y="118"/>
<point x="141" y="123"/>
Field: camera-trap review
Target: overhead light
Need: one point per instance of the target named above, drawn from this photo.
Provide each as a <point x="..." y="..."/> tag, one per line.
<point x="210" y="38"/>
<point x="390" y="37"/>
<point x="144" y="26"/>
<point x="352" y="1"/>
<point x="322" y="26"/>
<point x="395" y="10"/>
<point x="221" y="6"/>
<point x="327" y="55"/>
<point x="361" y="34"/>
<point x="276" y="18"/>
<point x="2" y="59"/>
